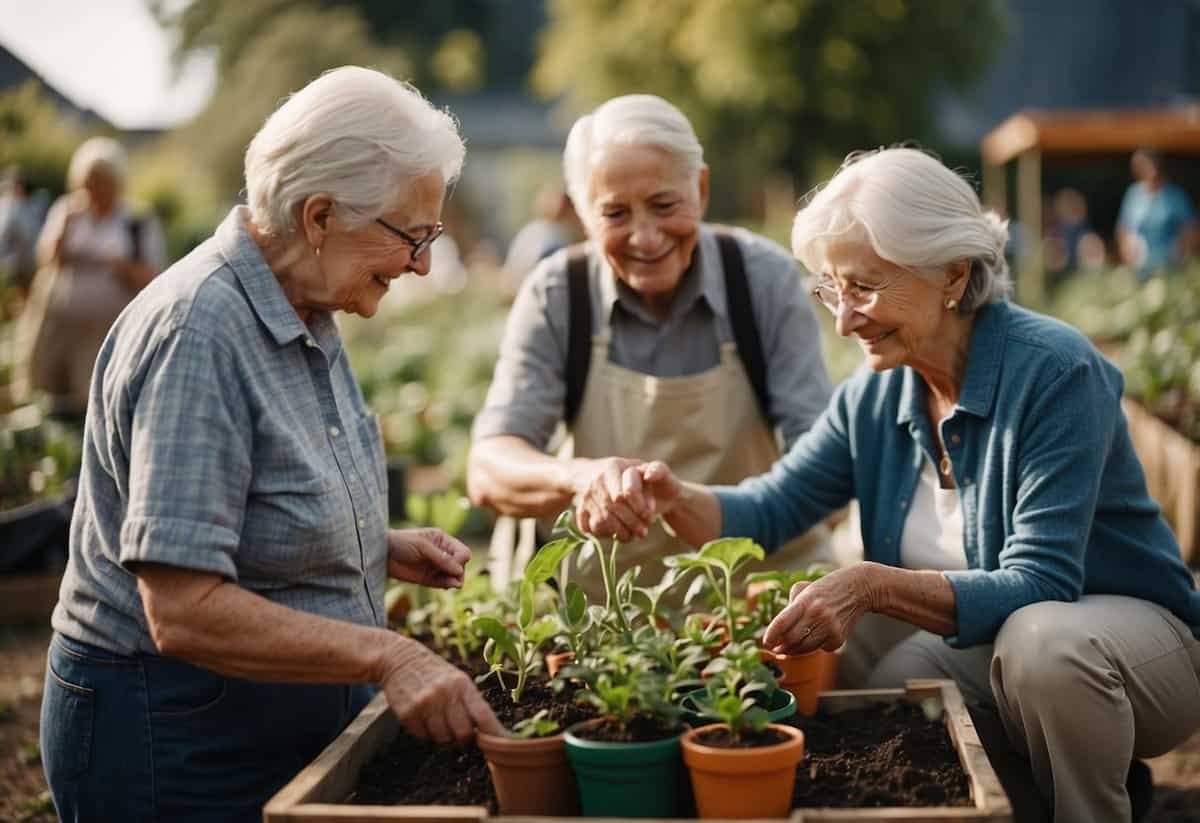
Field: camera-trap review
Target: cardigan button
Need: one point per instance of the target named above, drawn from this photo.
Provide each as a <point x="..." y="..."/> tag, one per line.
<point x="954" y="438"/>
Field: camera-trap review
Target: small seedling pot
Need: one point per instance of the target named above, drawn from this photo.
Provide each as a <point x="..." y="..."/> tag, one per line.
<point x="743" y="783"/>
<point x="624" y="779"/>
<point x="804" y="675"/>
<point x="556" y="661"/>
<point x="781" y="705"/>
<point x="531" y="776"/>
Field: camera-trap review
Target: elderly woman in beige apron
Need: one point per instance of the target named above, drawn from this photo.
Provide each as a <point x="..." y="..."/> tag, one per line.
<point x="661" y="337"/>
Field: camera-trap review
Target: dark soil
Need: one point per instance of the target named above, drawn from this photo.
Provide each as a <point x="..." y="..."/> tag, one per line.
<point x="638" y="730"/>
<point x="886" y="755"/>
<point x="722" y="739"/>
<point x="418" y="772"/>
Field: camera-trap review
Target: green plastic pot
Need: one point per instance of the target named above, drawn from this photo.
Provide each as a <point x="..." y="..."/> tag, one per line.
<point x="781" y="706"/>
<point x="625" y="779"/>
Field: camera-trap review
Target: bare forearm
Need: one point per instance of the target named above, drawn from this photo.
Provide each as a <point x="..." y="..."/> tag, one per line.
<point x="695" y="518"/>
<point x="241" y="634"/>
<point x="923" y="598"/>
<point x="511" y="476"/>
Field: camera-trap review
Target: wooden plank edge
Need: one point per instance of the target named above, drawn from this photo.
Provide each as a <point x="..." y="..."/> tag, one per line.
<point x="340" y="813"/>
<point x="374" y="723"/>
<point x="986" y="790"/>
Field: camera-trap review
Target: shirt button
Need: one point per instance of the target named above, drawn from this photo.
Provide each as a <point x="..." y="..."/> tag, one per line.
<point x="308" y="341"/>
<point x="954" y="438"/>
<point x="334" y="431"/>
<point x="361" y="522"/>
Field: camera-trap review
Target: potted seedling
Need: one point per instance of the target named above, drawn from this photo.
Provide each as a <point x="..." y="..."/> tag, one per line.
<point x="576" y="627"/>
<point x="720" y="561"/>
<point x="804" y="675"/>
<point x="740" y="661"/>
<point x="624" y="758"/>
<point x="529" y="769"/>
<point x="742" y="766"/>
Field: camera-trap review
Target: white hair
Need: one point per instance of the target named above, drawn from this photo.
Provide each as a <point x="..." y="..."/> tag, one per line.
<point x="101" y="154"/>
<point x="354" y="134"/>
<point x="634" y="119"/>
<point x="915" y="213"/>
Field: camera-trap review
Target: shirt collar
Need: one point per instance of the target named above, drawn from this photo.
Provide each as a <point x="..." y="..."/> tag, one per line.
<point x="704" y="278"/>
<point x="984" y="356"/>
<point x="262" y="287"/>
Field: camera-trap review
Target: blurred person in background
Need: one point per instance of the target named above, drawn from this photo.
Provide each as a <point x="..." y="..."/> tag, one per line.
<point x="1011" y="544"/>
<point x="1069" y="236"/>
<point x="662" y="337"/>
<point x="223" y="602"/>
<point x="1156" y="226"/>
<point x="554" y="226"/>
<point x="94" y="256"/>
<point x="21" y="218"/>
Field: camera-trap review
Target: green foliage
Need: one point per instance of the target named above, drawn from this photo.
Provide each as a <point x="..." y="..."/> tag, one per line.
<point x="447" y="510"/>
<point x="735" y="680"/>
<point x="1151" y="330"/>
<point x="38" y="457"/>
<point x="623" y="684"/>
<point x="36" y="137"/>
<point x="540" y="725"/>
<point x="720" y="561"/>
<point x="772" y="84"/>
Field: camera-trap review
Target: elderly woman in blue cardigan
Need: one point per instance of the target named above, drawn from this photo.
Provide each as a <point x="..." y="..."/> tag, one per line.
<point x="1010" y="542"/>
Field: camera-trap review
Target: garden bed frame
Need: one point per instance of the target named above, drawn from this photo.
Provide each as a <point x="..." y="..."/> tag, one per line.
<point x="313" y="795"/>
<point x="1172" y="465"/>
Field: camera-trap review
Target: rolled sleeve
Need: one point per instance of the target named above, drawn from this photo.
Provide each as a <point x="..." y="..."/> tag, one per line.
<point x="528" y="387"/>
<point x="190" y="467"/>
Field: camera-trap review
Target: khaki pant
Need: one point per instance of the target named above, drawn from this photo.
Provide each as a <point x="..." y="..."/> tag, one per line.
<point x="1082" y="689"/>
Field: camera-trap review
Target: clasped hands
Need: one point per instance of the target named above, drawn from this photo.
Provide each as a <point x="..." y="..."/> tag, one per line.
<point x="618" y="497"/>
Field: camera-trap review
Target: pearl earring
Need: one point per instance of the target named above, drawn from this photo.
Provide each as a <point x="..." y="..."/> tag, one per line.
<point x="951" y="304"/>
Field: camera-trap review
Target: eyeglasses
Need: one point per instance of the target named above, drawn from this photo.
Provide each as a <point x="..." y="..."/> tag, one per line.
<point x="418" y="245"/>
<point x="858" y="295"/>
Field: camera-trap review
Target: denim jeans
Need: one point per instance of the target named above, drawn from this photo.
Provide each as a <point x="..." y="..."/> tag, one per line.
<point x="149" y="738"/>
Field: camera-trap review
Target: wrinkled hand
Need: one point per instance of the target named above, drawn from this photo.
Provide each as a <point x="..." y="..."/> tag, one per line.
<point x="622" y="497"/>
<point x="821" y="614"/>
<point x="432" y="698"/>
<point x="428" y="557"/>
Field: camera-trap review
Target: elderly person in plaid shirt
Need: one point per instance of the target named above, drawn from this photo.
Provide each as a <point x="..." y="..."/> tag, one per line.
<point x="223" y="603"/>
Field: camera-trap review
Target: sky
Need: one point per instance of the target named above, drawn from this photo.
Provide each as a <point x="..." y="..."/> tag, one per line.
<point x="107" y="55"/>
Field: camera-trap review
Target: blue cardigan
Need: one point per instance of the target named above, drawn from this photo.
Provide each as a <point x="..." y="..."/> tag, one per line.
<point x="1054" y="499"/>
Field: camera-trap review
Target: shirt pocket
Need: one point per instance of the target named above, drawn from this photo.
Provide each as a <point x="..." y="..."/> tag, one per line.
<point x="296" y="531"/>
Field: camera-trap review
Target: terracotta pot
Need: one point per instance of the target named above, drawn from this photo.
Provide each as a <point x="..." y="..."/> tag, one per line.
<point x="531" y="776"/>
<point x="804" y="675"/>
<point x="556" y="661"/>
<point x="743" y="783"/>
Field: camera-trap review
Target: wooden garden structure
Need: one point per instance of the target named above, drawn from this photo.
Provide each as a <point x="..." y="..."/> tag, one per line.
<point x="1033" y="138"/>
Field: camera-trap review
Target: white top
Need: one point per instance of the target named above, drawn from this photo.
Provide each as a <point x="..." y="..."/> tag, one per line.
<point x="933" y="532"/>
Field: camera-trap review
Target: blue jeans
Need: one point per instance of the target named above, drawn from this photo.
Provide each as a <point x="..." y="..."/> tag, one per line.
<point x="149" y="738"/>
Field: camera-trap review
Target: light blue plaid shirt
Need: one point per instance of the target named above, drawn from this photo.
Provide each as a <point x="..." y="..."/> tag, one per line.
<point x="224" y="436"/>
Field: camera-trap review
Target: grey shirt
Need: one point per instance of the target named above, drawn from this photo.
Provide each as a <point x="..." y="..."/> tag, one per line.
<point x="529" y="387"/>
<point x="224" y="436"/>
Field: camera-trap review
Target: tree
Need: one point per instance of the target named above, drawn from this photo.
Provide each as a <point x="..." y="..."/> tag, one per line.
<point x="36" y="137"/>
<point x="773" y="84"/>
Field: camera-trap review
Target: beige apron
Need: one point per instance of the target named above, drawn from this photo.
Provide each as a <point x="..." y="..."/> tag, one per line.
<point x="707" y="427"/>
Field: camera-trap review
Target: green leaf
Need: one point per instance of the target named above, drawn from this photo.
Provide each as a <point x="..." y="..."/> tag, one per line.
<point x="546" y="562"/>
<point x="525" y="610"/>
<point x="574" y="604"/>
<point x="541" y="630"/>
<point x="497" y="633"/>
<point x="731" y="552"/>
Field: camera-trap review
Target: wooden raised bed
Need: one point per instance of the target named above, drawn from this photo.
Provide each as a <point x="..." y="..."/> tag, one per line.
<point x="313" y="795"/>
<point x="1172" y="464"/>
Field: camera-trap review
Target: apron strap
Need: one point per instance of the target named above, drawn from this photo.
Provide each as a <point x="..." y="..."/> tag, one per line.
<point x="579" y="331"/>
<point x="741" y="318"/>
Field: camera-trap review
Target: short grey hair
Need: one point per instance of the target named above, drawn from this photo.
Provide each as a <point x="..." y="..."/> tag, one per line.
<point x="915" y="213"/>
<point x="634" y="119"/>
<point x="102" y="154"/>
<point x="355" y="134"/>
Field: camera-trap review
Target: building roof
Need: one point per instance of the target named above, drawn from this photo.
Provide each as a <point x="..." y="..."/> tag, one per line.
<point x="1175" y="130"/>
